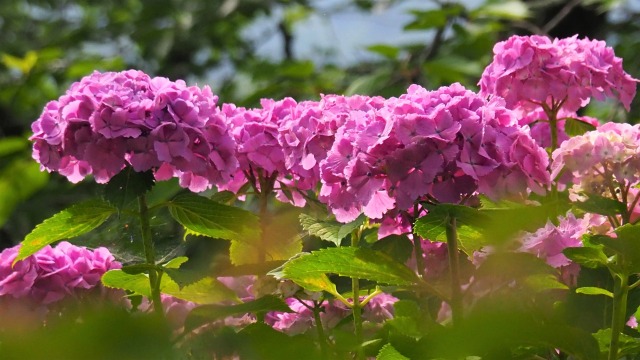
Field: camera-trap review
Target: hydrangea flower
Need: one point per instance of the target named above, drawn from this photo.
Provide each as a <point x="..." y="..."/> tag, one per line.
<point x="53" y="273"/>
<point x="548" y="242"/>
<point x="444" y="145"/>
<point x="531" y="70"/>
<point x="378" y="309"/>
<point x="604" y="162"/>
<point x="115" y="119"/>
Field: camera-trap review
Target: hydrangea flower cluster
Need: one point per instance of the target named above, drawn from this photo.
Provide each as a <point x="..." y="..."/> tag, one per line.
<point x="602" y="162"/>
<point x="53" y="273"/>
<point x="531" y="70"/>
<point x="548" y="242"/>
<point x="378" y="309"/>
<point x="444" y="144"/>
<point x="111" y="120"/>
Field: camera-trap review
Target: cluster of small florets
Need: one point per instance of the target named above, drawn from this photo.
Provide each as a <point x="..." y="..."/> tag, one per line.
<point x="301" y="319"/>
<point x="53" y="273"/>
<point x="444" y="144"/>
<point x="111" y="120"/>
<point x="531" y="70"/>
<point x="601" y="161"/>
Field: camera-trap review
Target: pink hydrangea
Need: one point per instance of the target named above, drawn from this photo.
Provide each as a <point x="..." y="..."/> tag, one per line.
<point x="111" y="120"/>
<point x="53" y="273"/>
<point x="444" y="145"/>
<point x="548" y="242"/>
<point x="531" y="70"/>
<point x="378" y="309"/>
<point x="601" y="160"/>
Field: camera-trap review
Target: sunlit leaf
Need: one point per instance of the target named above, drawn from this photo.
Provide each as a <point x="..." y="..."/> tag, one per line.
<point x="74" y="221"/>
<point x="592" y="290"/>
<point x="388" y="352"/>
<point x="576" y="127"/>
<point x="329" y="230"/>
<point x="202" y="216"/>
<point x="360" y="263"/>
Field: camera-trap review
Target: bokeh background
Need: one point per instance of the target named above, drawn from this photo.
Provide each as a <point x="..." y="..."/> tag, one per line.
<point x="250" y="49"/>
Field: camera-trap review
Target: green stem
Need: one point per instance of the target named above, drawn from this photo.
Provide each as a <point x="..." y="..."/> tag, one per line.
<point x="322" y="338"/>
<point x="356" y="306"/>
<point x="620" y="295"/>
<point x="417" y="246"/>
<point x="149" y="253"/>
<point x="454" y="270"/>
<point x="552" y="114"/>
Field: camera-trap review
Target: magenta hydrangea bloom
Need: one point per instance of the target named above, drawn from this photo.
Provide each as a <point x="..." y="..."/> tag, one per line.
<point x="531" y="70"/>
<point x="53" y="273"/>
<point x="255" y="132"/>
<point x="115" y="119"/>
<point x="444" y="145"/>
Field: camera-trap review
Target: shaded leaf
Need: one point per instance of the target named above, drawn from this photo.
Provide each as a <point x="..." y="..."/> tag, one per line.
<point x="469" y="221"/>
<point x="576" y="127"/>
<point x="601" y="205"/>
<point x="398" y="247"/>
<point x="127" y="185"/>
<point x="74" y="221"/>
<point x="591" y="257"/>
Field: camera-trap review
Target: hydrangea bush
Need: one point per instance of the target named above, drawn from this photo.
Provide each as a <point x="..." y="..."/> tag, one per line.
<point x="452" y="222"/>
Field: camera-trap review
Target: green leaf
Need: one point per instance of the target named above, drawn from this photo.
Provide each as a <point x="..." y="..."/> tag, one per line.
<point x="591" y="257"/>
<point x="388" y="51"/>
<point x="398" y="247"/>
<point x="592" y="290"/>
<point x="209" y="290"/>
<point x="281" y="240"/>
<point x="511" y="10"/>
<point x="360" y="263"/>
<point x="201" y="216"/>
<point x="388" y="352"/>
<point x="138" y="268"/>
<point x="223" y="197"/>
<point x="184" y="277"/>
<point x="209" y="313"/>
<point x="626" y="245"/>
<point x="469" y="221"/>
<point x="206" y="291"/>
<point x="127" y="185"/>
<point x="329" y="230"/>
<point x="601" y="205"/>
<point x="627" y="345"/>
<point x="542" y="282"/>
<point x="136" y="283"/>
<point x="74" y="221"/>
<point x="576" y="127"/>
<point x="436" y="18"/>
